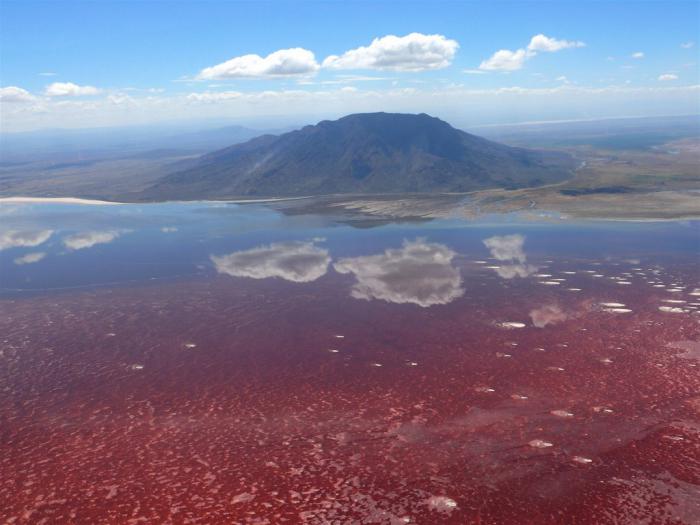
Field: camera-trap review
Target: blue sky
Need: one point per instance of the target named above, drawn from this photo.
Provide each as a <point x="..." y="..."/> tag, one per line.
<point x="84" y="64"/>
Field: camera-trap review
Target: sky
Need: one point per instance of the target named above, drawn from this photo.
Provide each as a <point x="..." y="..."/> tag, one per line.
<point x="83" y="64"/>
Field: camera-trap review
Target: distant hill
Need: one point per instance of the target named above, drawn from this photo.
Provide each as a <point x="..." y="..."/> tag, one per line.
<point x="362" y="154"/>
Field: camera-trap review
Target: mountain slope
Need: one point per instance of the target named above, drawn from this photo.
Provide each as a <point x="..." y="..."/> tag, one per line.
<point x="363" y="154"/>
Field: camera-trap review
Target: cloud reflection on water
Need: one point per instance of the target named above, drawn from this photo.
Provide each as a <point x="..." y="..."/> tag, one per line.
<point x="23" y="238"/>
<point x="419" y="273"/>
<point x="82" y="240"/>
<point x="296" y="261"/>
<point x="548" y="314"/>
<point x="509" y="248"/>
<point x="30" y="258"/>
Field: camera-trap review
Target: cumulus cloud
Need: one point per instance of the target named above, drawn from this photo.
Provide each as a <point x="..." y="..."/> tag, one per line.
<point x="507" y="60"/>
<point x="80" y="241"/>
<point x="413" y="52"/>
<point x="510" y="248"/>
<point x="296" y="261"/>
<point x="30" y="258"/>
<point x="24" y="239"/>
<point x="419" y="273"/>
<point x="68" y="89"/>
<point x="668" y="76"/>
<point x="638" y="55"/>
<point x="15" y="94"/>
<point x="548" y="314"/>
<point x="283" y="63"/>
<point x="546" y="44"/>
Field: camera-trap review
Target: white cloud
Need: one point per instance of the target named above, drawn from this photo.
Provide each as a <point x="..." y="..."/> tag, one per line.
<point x="209" y="96"/>
<point x="282" y="63"/>
<point x="668" y="76"/>
<point x="413" y="52"/>
<point x="30" y="258"/>
<point x="26" y="239"/>
<point x="296" y="261"/>
<point x="546" y="44"/>
<point x="638" y="55"/>
<point x="15" y="94"/>
<point x="687" y="45"/>
<point x="80" y="241"/>
<point x="419" y="273"/>
<point x="68" y="89"/>
<point x="507" y="60"/>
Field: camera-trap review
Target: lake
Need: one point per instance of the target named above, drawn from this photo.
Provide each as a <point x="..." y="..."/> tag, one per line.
<point x="227" y="363"/>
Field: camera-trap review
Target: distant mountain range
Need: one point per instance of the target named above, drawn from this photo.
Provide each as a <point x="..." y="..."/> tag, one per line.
<point x="366" y="153"/>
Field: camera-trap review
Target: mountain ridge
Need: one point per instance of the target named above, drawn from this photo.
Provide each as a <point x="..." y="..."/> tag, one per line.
<point x="364" y="153"/>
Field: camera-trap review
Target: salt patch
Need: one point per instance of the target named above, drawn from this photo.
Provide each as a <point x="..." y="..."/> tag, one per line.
<point x="510" y="324"/>
<point x="672" y="309"/>
<point x="617" y="310"/>
<point x="442" y="503"/>
<point x="561" y="413"/>
<point x="538" y="443"/>
<point x="581" y="459"/>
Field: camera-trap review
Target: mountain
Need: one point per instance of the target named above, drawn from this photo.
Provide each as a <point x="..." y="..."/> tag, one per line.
<point x="362" y="154"/>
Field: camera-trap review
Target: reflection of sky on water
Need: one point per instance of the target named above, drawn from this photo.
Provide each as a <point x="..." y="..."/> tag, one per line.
<point x="82" y="240"/>
<point x="175" y="240"/>
<point x="23" y="239"/>
<point x="509" y="248"/>
<point x="295" y="261"/>
<point x="419" y="272"/>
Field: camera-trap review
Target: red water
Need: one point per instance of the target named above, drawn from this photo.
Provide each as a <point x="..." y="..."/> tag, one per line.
<point x="109" y="414"/>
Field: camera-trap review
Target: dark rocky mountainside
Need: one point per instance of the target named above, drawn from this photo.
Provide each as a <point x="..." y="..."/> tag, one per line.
<point x="367" y="153"/>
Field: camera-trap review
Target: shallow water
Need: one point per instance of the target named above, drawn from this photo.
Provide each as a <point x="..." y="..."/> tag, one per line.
<point x="218" y="363"/>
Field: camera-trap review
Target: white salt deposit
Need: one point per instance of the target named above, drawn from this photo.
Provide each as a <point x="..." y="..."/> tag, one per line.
<point x="538" y="443"/>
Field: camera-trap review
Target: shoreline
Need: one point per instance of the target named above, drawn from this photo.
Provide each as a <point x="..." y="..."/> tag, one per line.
<point x="361" y="210"/>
